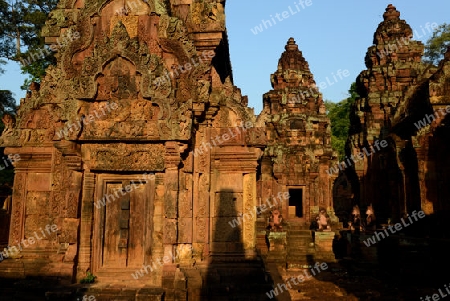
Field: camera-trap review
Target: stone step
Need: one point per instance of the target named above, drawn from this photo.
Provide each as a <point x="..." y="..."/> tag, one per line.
<point x="301" y="251"/>
<point x="298" y="243"/>
<point x="294" y="256"/>
<point x="120" y="294"/>
<point x="304" y="247"/>
<point x="301" y="247"/>
<point x="298" y="228"/>
<point x="251" y="292"/>
<point x="303" y="259"/>
<point x="299" y="236"/>
<point x="299" y="233"/>
<point x="298" y="240"/>
<point x="307" y="235"/>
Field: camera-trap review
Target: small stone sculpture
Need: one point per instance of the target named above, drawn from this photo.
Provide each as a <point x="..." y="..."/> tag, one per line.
<point x="355" y="223"/>
<point x="275" y="221"/>
<point x="324" y="221"/>
<point x="371" y="219"/>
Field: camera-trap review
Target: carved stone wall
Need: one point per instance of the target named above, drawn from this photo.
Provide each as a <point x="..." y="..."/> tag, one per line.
<point x="137" y="145"/>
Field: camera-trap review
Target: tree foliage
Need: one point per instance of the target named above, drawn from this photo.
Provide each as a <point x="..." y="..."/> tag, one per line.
<point x="7" y="102"/>
<point x="20" y="33"/>
<point x="7" y="105"/>
<point x="339" y="114"/>
<point x="437" y="45"/>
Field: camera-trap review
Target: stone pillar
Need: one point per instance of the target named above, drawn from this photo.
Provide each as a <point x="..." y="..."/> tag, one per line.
<point x="313" y="201"/>
<point x="402" y="204"/>
<point x="185" y="198"/>
<point x="18" y="208"/>
<point x="87" y="216"/>
<point x="266" y="178"/>
<point x="200" y="204"/>
<point x="170" y="209"/>
<point x="426" y="205"/>
<point x="157" y="248"/>
<point x="249" y="203"/>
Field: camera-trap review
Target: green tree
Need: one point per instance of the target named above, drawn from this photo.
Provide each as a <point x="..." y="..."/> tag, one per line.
<point x="7" y="105"/>
<point x="20" y="34"/>
<point x="7" y="102"/>
<point x="339" y="114"/>
<point x="437" y="45"/>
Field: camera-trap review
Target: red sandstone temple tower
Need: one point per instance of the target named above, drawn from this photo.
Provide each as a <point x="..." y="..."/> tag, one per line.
<point x="299" y="151"/>
<point x="389" y="178"/>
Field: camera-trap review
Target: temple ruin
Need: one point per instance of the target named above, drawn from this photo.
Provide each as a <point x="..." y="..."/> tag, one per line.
<point x="403" y="102"/>
<point x="137" y="148"/>
<point x="142" y="164"/>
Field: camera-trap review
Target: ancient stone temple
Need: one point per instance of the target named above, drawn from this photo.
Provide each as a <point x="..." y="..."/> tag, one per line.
<point x="298" y="131"/>
<point x="296" y="160"/>
<point x="398" y="96"/>
<point x="140" y="161"/>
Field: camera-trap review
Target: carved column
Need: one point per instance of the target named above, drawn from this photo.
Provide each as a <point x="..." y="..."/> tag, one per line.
<point x="422" y="148"/>
<point x="402" y="205"/>
<point x="87" y="216"/>
<point x="249" y="203"/>
<point x="201" y="188"/>
<point x="18" y="209"/>
<point x="172" y="160"/>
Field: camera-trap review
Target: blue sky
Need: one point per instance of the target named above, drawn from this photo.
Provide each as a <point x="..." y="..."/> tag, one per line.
<point x="332" y="35"/>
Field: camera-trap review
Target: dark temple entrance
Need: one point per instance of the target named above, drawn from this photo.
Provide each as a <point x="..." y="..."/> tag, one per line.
<point x="296" y="202"/>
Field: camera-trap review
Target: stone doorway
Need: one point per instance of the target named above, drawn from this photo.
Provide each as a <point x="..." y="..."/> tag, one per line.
<point x="123" y="226"/>
<point x="296" y="203"/>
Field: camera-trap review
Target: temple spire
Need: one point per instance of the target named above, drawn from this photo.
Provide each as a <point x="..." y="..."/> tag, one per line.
<point x="292" y="58"/>
<point x="391" y="13"/>
<point x="392" y="29"/>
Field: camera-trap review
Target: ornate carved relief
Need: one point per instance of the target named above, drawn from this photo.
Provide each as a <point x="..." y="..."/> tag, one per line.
<point x="123" y="156"/>
<point x="185" y="230"/>
<point x="249" y="236"/>
<point x="170" y="231"/>
<point x="201" y="226"/>
<point x="207" y="15"/>
<point x="17" y="216"/>
<point x="203" y="199"/>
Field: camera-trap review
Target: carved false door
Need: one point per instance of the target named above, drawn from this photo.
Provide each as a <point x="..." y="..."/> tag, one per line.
<point x="122" y="228"/>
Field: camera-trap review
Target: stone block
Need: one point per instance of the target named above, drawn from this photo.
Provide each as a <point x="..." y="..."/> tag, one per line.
<point x="69" y="231"/>
<point x="170" y="204"/>
<point x="150" y="294"/>
<point x="71" y="253"/>
<point x="185" y="230"/>
<point x="170" y="231"/>
<point x="39" y="182"/>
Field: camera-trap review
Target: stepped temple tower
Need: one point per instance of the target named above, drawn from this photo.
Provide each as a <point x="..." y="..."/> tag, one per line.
<point x="298" y="151"/>
<point x="396" y="92"/>
<point x="137" y="153"/>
